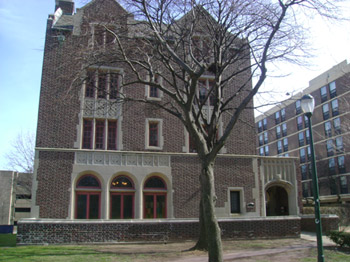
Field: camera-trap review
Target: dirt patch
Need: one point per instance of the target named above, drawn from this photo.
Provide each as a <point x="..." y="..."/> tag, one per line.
<point x="285" y="250"/>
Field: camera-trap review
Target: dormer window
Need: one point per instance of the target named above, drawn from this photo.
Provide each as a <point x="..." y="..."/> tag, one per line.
<point x="103" y="35"/>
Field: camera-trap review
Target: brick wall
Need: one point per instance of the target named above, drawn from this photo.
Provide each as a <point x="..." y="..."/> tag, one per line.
<point x="329" y="222"/>
<point x="70" y="231"/>
<point x="54" y="183"/>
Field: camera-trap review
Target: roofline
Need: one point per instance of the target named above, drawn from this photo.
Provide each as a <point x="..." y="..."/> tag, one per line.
<point x="325" y="78"/>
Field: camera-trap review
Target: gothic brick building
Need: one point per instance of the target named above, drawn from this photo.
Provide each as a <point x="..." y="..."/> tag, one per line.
<point x="99" y="159"/>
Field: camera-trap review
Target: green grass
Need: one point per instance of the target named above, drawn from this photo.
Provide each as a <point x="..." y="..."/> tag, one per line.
<point x="60" y="254"/>
<point x="329" y="255"/>
<point x="7" y="240"/>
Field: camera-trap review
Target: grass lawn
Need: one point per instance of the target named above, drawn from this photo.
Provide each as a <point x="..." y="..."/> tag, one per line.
<point x="7" y="240"/>
<point x="9" y="252"/>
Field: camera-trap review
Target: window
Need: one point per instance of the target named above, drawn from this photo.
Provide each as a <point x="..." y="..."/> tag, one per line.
<point x="332" y="90"/>
<point x="283" y="114"/>
<point x="301" y="138"/>
<point x="331" y="166"/>
<point x="102" y="36"/>
<point x="152" y="91"/>
<point x="22" y="209"/>
<point x="309" y="153"/>
<point x="284" y="129"/>
<point x="266" y="138"/>
<point x="297" y="107"/>
<point x="304" y="172"/>
<point x="285" y="144"/>
<point x="265" y="123"/>
<point x="279" y="147"/>
<point x="261" y="140"/>
<point x="306" y="189"/>
<point x="323" y="94"/>
<point x="99" y="134"/>
<point x="88" y="197"/>
<point x="335" y="109"/>
<point x="330" y="147"/>
<point x="260" y="126"/>
<point x="154" y="198"/>
<point x="306" y="121"/>
<point x="235" y="202"/>
<point x="302" y="155"/>
<point x="333" y="186"/>
<point x="122" y="198"/>
<point x="339" y="144"/>
<point x="277" y="117"/>
<point x="325" y="111"/>
<point x="344" y="185"/>
<point x="95" y="130"/>
<point x="266" y="150"/>
<point x="23" y="196"/>
<point x="261" y="151"/>
<point x="102" y="83"/>
<point x="112" y="135"/>
<point x="278" y="132"/>
<point x="154" y="134"/>
<point x="206" y="92"/>
<point x="300" y="122"/>
<point x="307" y="136"/>
<point x="341" y="165"/>
<point x="87" y="133"/>
<point x="328" y="129"/>
<point x="336" y="125"/>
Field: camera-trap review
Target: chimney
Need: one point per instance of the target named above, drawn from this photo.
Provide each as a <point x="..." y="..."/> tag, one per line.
<point x="67" y="6"/>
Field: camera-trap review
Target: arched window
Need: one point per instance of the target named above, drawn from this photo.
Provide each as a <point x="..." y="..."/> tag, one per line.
<point x="122" y="195"/>
<point x="154" y="195"/>
<point x="88" y="198"/>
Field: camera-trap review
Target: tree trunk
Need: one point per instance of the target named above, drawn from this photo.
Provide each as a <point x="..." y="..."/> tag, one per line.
<point x="202" y="243"/>
<point x="208" y="199"/>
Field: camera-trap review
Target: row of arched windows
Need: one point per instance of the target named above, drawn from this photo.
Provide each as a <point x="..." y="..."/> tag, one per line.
<point x="122" y="198"/>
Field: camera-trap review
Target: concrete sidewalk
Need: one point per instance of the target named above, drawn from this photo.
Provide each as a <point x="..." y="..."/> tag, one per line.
<point x="311" y="236"/>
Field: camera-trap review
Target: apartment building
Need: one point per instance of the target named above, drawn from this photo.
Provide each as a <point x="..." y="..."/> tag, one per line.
<point x="283" y="131"/>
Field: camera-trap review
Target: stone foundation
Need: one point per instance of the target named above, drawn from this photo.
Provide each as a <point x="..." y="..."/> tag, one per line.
<point x="49" y="231"/>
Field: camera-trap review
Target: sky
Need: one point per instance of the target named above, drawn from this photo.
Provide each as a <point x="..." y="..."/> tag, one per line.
<point x="22" y="35"/>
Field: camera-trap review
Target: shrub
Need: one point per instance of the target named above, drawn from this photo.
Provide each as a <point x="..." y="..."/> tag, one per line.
<point x="340" y="238"/>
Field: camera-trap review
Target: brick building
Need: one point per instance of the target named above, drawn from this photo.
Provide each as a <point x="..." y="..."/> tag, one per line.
<point x="99" y="159"/>
<point x="283" y="131"/>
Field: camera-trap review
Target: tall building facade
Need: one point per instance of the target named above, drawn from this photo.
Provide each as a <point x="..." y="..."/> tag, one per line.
<point x="15" y="196"/>
<point x="100" y="159"/>
<point x="283" y="131"/>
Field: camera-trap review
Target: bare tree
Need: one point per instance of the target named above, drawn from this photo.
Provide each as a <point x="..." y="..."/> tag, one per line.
<point x="181" y="41"/>
<point x="21" y="157"/>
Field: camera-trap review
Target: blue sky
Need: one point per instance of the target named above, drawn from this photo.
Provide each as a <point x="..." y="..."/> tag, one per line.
<point x="22" y="35"/>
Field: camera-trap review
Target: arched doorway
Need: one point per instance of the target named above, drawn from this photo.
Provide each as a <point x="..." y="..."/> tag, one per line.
<point x="277" y="201"/>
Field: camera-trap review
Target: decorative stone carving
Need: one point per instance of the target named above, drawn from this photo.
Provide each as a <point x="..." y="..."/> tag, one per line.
<point x="121" y="159"/>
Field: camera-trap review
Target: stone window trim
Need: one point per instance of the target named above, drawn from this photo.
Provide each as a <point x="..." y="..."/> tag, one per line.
<point x="187" y="147"/>
<point x="108" y="72"/>
<point x="204" y="84"/>
<point x="105" y="38"/>
<point x="160" y="142"/>
<point x="110" y="141"/>
<point x="243" y="209"/>
<point x="149" y="91"/>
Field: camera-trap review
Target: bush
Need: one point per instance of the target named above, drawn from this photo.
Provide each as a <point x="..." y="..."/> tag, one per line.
<point x="340" y="238"/>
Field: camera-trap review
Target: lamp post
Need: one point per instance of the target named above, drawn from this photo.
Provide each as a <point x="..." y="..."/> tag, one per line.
<point x="308" y="105"/>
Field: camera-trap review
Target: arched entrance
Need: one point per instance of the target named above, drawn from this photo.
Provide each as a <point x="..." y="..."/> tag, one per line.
<point x="277" y="201"/>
